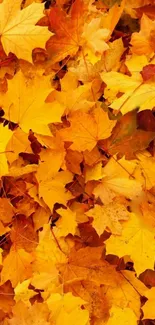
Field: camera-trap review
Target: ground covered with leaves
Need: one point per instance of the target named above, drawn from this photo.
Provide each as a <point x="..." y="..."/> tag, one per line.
<point x="77" y="162"/>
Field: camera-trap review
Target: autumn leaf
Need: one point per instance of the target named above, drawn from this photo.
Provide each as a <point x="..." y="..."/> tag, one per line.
<point x="67" y="31"/>
<point x="66" y="223"/>
<point x="19" y="34"/>
<point x="107" y="217"/>
<point x="18" y="259"/>
<point x="121" y="315"/>
<point x="5" y="135"/>
<point x="148" y="10"/>
<point x="86" y="129"/>
<point x="23" y="293"/>
<point x="33" y="314"/>
<point x="26" y="107"/>
<point x="6" y="297"/>
<point x="148" y="309"/>
<point x="135" y="94"/>
<point x="131" y="144"/>
<point x="141" y="42"/>
<point x="67" y="308"/>
<point x="47" y="253"/>
<point x="134" y="235"/>
<point x="148" y="72"/>
<point x="145" y="170"/>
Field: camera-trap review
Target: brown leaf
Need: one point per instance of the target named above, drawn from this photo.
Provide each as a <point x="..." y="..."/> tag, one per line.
<point x="148" y="72"/>
<point x="146" y="120"/>
<point x="139" y="140"/>
<point x="148" y="10"/>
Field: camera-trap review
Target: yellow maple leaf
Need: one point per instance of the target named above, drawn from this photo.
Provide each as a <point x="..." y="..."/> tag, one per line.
<point x="53" y="190"/>
<point x="36" y="314"/>
<point x="141" y="42"/>
<point x="145" y="170"/>
<point x="134" y="235"/>
<point x="113" y="55"/>
<point x="47" y="253"/>
<point x="107" y="217"/>
<point x="95" y="39"/>
<point x="66" y="224"/>
<point x="50" y="162"/>
<point x="86" y="129"/>
<point x="18" y="143"/>
<point x="5" y="136"/>
<point x="148" y="308"/>
<point x="22" y="292"/>
<point x="131" y="87"/>
<point x="21" y="266"/>
<point x="24" y="103"/>
<point x="73" y="96"/>
<point x="94" y="173"/>
<point x="115" y="180"/>
<point x="42" y="280"/>
<point x="41" y="216"/>
<point x="51" y="182"/>
<point x="122" y="316"/>
<point x="67" y="309"/>
<point x="19" y="34"/>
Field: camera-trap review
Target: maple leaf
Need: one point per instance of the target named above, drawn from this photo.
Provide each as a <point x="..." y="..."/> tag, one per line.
<point x="73" y="96"/>
<point x="97" y="304"/>
<point x="21" y="230"/>
<point x="95" y="39"/>
<point x="115" y="180"/>
<point x="47" y="253"/>
<point x="19" y="34"/>
<point x="134" y="234"/>
<point x="51" y="182"/>
<point x="42" y="280"/>
<point x="122" y="316"/>
<point x="148" y="308"/>
<point x="67" y="31"/>
<point x="41" y="217"/>
<point x="6" y="297"/>
<point x="107" y="217"/>
<point x="66" y="224"/>
<point x="126" y="133"/>
<point x="73" y="160"/>
<point x="112" y="57"/>
<point x="148" y="72"/>
<point x="131" y="144"/>
<point x="5" y="135"/>
<point x="53" y="190"/>
<point x="21" y="267"/>
<point x="67" y="308"/>
<point x="38" y="313"/>
<point x="6" y="210"/>
<point x="26" y="106"/>
<point x="134" y="93"/>
<point x="148" y="214"/>
<point x="145" y="170"/>
<point x="86" y="129"/>
<point x="17" y="144"/>
<point x="23" y="293"/>
<point x="141" y="42"/>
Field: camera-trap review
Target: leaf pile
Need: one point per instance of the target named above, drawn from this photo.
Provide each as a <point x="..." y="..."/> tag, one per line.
<point x="77" y="162"/>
